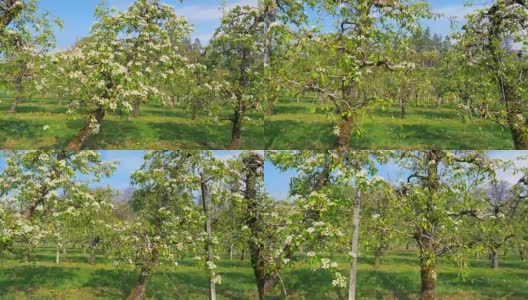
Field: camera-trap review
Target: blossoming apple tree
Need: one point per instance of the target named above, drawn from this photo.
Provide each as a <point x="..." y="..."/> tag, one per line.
<point x="235" y="54"/>
<point x="26" y="34"/>
<point x="485" y="39"/>
<point x="113" y="67"/>
<point x="437" y="202"/>
<point x="320" y="187"/>
<point x="371" y="34"/>
<point x="31" y="185"/>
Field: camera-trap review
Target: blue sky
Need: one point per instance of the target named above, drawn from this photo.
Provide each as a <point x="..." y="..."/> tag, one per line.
<point x="128" y="162"/>
<point x="77" y="15"/>
<point x="277" y="183"/>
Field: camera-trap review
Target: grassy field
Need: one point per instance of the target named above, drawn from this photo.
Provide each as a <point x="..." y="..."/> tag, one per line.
<point x="157" y="128"/>
<point x="397" y="278"/>
<point x="293" y="126"/>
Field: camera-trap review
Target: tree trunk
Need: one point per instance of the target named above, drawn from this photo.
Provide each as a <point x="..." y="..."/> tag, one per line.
<point x="428" y="277"/>
<point x="236" y="134"/>
<point x="253" y="221"/>
<point x="403" y="108"/>
<point x="19" y="91"/>
<point x="345" y="131"/>
<point x="64" y="251"/>
<point x="91" y="260"/>
<point x="523" y="257"/>
<point x="138" y="292"/>
<point x="243" y="255"/>
<point x="478" y="255"/>
<point x="13" y="108"/>
<point x="95" y="118"/>
<point x="494" y="259"/>
<point x="136" y="109"/>
<point x="231" y="252"/>
<point x="208" y="230"/>
<point x="93" y="246"/>
<point x="354" y="246"/>
<point x="377" y="260"/>
<point x="194" y="111"/>
<point x="57" y="255"/>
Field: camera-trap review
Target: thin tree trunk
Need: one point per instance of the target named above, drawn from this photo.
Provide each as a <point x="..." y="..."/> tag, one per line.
<point x="354" y="246"/>
<point x="403" y="108"/>
<point x="78" y="141"/>
<point x="243" y="255"/>
<point x="523" y="257"/>
<point x="208" y="246"/>
<point x="194" y="111"/>
<point x="345" y="131"/>
<point x="231" y="252"/>
<point x="57" y="255"/>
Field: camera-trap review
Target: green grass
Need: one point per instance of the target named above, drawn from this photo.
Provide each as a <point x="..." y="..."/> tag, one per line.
<point x="397" y="278"/>
<point x="293" y="126"/>
<point x="158" y="127"/>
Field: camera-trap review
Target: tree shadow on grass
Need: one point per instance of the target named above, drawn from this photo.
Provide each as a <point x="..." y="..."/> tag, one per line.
<point x="35" y="109"/>
<point x="298" y="135"/>
<point x="505" y="285"/>
<point x="27" y="277"/>
<point x="432" y="136"/>
<point x="296" y="108"/>
<point x="108" y="282"/>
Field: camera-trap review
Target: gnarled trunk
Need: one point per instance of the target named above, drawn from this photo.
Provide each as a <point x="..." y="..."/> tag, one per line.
<point x="138" y="292"/>
<point x="13" y="108"/>
<point x="78" y="141"/>
<point x="345" y="131"/>
<point x="428" y="277"/>
<point x="253" y="221"/>
<point x="494" y="259"/>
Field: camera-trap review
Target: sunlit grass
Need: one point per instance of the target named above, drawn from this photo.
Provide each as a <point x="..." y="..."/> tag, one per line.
<point x="158" y="127"/>
<point x="397" y="278"/>
<point x="294" y="126"/>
